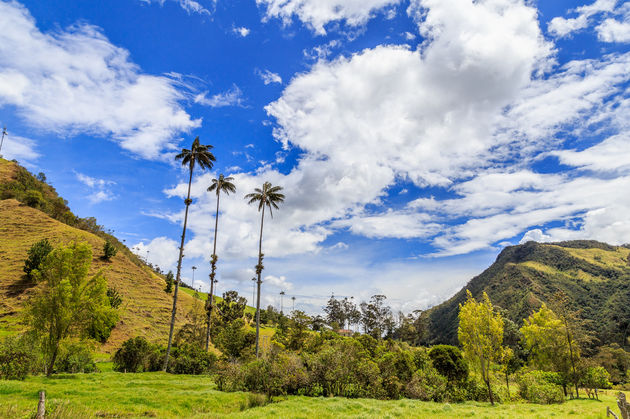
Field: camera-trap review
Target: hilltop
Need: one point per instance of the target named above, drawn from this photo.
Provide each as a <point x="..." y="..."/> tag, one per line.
<point x="146" y="307"/>
<point x="595" y="276"/>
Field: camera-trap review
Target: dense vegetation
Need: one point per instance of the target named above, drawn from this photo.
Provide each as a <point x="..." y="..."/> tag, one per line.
<point x="594" y="276"/>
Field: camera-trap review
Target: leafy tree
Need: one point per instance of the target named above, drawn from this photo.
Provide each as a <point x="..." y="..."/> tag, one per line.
<point x="115" y="299"/>
<point x="616" y="360"/>
<point x="34" y="198"/>
<point x="544" y="336"/>
<point x="481" y="334"/>
<point x="68" y="300"/>
<point x="170" y="278"/>
<point x="335" y="312"/>
<point x="375" y="316"/>
<point x="232" y="307"/>
<point x="449" y="362"/>
<point x="109" y="250"/>
<point x="268" y="196"/>
<point x="595" y="378"/>
<point x="233" y="338"/>
<point x="198" y="154"/>
<point x="133" y="355"/>
<point x="36" y="255"/>
<point x="297" y="330"/>
<point x="225" y="185"/>
<point x="194" y="331"/>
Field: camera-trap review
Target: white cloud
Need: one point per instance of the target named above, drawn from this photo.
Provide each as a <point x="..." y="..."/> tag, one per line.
<point x="613" y="26"/>
<point x="279" y="282"/>
<point x="232" y="97"/>
<point x="161" y="251"/>
<point x="241" y="31"/>
<point x="190" y="6"/>
<point x="19" y="148"/>
<point x="316" y="14"/>
<point x="100" y="187"/>
<point x="268" y="77"/>
<point x="75" y="81"/>
<point x="536" y="235"/>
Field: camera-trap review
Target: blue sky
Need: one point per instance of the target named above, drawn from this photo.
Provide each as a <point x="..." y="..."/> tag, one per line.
<point x="414" y="138"/>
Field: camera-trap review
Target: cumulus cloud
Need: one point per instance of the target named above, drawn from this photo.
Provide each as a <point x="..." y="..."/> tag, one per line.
<point x="75" y="81"/>
<point x="613" y="22"/>
<point x="100" y="188"/>
<point x="161" y="251"/>
<point x="232" y="97"/>
<point x="316" y="14"/>
<point x="241" y="31"/>
<point x="268" y="77"/>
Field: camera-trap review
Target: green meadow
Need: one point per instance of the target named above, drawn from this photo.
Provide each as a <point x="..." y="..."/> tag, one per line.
<point x="113" y="395"/>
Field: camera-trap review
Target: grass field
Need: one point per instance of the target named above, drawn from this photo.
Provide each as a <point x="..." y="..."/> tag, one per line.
<point x="111" y="394"/>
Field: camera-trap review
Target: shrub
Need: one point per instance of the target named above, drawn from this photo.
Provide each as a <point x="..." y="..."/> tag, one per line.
<point x="426" y="384"/>
<point x="170" y="279"/>
<point x="541" y="387"/>
<point x="75" y="356"/>
<point x="109" y="250"/>
<point x="33" y="198"/>
<point x="36" y="254"/>
<point x="134" y="355"/>
<point x="191" y="359"/>
<point x="230" y="376"/>
<point x="115" y="299"/>
<point x="449" y="362"/>
<point x="17" y="358"/>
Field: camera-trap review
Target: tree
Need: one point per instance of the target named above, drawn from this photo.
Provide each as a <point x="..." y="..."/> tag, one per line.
<point x="594" y="378"/>
<point x="573" y="328"/>
<point x="268" y="196"/>
<point x="376" y="316"/>
<point x="481" y="334"/>
<point x="334" y="310"/>
<point x="68" y="300"/>
<point x="449" y="362"/>
<point x="232" y="307"/>
<point x="225" y="185"/>
<point x="544" y="336"/>
<point x="109" y="250"/>
<point x="198" y="154"/>
<point x="36" y="255"/>
<point x="170" y="278"/>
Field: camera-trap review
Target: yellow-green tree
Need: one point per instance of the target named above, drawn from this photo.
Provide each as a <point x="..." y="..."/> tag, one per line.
<point x="68" y="300"/>
<point x="481" y="334"/>
<point x="545" y="336"/>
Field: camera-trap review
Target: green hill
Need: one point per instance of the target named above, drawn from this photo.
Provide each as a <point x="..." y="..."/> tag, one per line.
<point x="596" y="277"/>
<point x="31" y="210"/>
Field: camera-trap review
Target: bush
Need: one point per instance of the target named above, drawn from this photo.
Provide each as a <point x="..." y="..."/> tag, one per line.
<point x="134" y="355"/>
<point x="109" y="250"/>
<point x="74" y="357"/>
<point x="541" y="387"/>
<point x="36" y="254"/>
<point x="191" y="359"/>
<point x="17" y="358"/>
<point x="33" y="198"/>
<point x="230" y="377"/>
<point x="426" y="384"/>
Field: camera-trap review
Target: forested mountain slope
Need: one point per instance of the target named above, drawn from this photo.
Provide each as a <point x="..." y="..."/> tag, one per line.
<point x="595" y="276"/>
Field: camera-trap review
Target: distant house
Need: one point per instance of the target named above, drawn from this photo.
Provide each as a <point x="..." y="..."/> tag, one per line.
<point x="345" y="332"/>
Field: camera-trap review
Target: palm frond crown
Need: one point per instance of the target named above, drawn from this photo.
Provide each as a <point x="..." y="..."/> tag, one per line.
<point x="269" y="196"/>
<point x="198" y="154"/>
<point x="222" y="184"/>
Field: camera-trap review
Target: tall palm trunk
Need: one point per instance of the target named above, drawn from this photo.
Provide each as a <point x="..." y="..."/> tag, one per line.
<point x="259" y="282"/>
<point x="212" y="274"/>
<point x="178" y="277"/>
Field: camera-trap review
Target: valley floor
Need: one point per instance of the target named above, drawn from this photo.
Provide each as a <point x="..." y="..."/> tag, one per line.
<point x="111" y="394"/>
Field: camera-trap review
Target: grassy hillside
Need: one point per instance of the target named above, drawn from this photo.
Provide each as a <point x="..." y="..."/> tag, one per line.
<point x="146" y="307"/>
<point x="595" y="276"/>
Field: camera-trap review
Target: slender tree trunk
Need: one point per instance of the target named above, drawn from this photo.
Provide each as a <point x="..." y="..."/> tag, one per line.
<point x="209" y="318"/>
<point x="178" y="278"/>
<point x="259" y="282"/>
<point x="575" y="377"/>
<point x="486" y="377"/>
<point x="213" y="273"/>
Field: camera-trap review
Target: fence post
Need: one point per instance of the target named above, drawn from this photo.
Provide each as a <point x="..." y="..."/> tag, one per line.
<point x="41" y="406"/>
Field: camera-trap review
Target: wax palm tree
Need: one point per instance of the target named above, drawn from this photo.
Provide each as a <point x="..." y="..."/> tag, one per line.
<point x="269" y="196"/>
<point x="198" y="154"/>
<point x="225" y="185"/>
